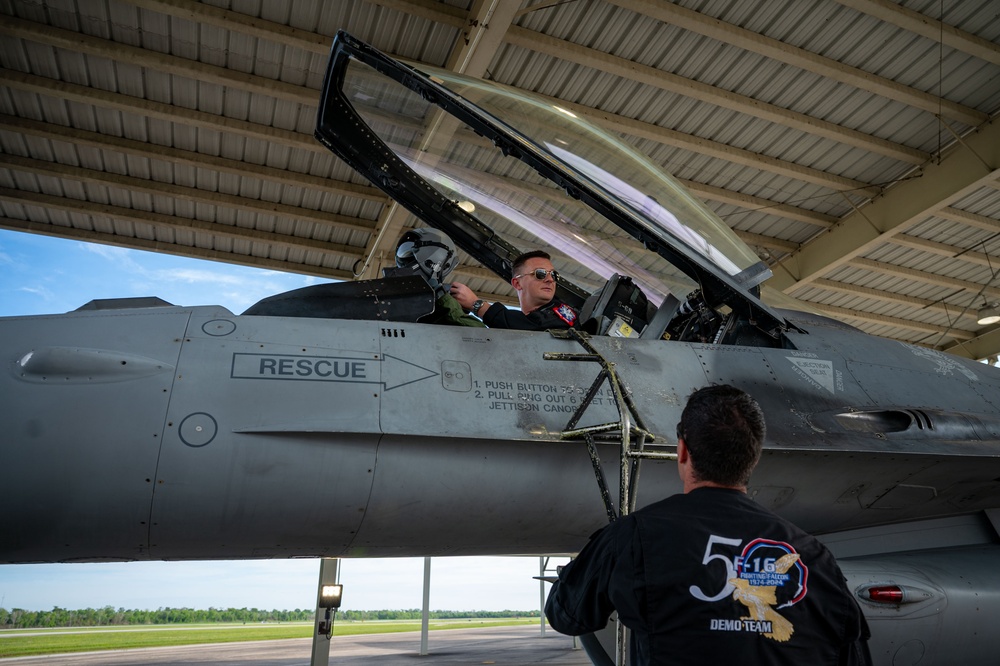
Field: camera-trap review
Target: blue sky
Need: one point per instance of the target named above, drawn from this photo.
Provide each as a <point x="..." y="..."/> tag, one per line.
<point x="41" y="275"/>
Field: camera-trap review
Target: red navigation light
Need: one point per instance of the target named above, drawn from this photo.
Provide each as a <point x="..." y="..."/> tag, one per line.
<point x="885" y="594"/>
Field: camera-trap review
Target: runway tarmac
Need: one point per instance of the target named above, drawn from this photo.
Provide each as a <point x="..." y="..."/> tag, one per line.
<point x="503" y="646"/>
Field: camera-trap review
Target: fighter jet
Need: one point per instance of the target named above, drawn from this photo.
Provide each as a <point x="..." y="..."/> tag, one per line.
<point x="343" y="420"/>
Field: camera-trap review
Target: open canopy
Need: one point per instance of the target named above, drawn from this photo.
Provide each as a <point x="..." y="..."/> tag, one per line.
<point x="503" y="172"/>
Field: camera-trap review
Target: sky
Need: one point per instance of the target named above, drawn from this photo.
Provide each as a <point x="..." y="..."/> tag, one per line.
<point x="41" y="275"/>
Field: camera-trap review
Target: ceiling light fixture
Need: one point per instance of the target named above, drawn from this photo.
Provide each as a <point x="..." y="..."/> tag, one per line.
<point x="989" y="314"/>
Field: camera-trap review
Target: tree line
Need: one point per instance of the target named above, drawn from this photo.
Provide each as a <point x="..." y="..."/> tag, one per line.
<point x="416" y="614"/>
<point x="109" y="616"/>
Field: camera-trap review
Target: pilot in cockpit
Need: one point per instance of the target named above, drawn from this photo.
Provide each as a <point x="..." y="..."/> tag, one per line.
<point x="535" y="281"/>
<point x="431" y="253"/>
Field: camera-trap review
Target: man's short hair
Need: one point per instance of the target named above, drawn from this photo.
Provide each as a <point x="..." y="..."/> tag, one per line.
<point x="723" y="428"/>
<point x="521" y="260"/>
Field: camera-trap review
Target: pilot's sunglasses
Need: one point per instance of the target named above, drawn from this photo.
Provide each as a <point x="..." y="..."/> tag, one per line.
<point x="540" y="274"/>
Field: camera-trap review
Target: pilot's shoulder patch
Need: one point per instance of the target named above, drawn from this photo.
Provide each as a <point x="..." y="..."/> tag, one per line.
<point x="566" y="313"/>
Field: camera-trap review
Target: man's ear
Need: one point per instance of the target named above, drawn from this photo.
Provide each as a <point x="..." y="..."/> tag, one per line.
<point x="682" y="451"/>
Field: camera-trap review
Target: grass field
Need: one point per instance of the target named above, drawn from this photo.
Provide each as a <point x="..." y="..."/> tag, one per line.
<point x="26" y="643"/>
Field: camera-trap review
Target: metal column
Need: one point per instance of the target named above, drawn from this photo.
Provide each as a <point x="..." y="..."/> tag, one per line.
<point x="425" y="616"/>
<point x="542" y="565"/>
<point x="329" y="574"/>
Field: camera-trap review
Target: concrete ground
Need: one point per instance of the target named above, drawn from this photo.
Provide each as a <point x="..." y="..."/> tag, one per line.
<point x="502" y="646"/>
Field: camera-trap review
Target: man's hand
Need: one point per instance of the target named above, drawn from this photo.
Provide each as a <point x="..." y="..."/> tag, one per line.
<point x="465" y="296"/>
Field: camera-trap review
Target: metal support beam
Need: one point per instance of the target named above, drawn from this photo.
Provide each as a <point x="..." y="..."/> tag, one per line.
<point x="78" y="42"/>
<point x="542" y="566"/>
<point x="329" y="574"/>
<point x="707" y="147"/>
<point x="985" y="346"/>
<point x="188" y="158"/>
<point x="155" y="188"/>
<point x="713" y="28"/>
<point x="426" y="608"/>
<point x="966" y="167"/>
<point x="927" y="26"/>
<point x="71" y="92"/>
<point x="925" y="277"/>
<point x="679" y="85"/>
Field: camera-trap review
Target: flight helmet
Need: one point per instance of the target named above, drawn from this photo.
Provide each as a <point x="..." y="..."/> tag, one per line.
<point x="430" y="251"/>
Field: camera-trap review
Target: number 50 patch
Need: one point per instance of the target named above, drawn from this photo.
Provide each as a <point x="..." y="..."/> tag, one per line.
<point x="764" y="577"/>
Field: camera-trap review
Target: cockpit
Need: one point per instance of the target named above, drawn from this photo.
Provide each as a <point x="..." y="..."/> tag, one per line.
<point x="502" y="172"/>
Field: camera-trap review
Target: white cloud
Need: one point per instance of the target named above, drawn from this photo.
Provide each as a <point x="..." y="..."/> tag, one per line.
<point x="119" y="256"/>
<point x="186" y="281"/>
<point x="201" y="276"/>
<point x="42" y="292"/>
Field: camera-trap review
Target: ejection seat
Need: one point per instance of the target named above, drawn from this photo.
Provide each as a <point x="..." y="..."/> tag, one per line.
<point x="618" y="309"/>
<point x="621" y="301"/>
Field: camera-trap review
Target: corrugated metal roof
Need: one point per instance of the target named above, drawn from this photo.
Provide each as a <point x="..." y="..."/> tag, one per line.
<point x="805" y="124"/>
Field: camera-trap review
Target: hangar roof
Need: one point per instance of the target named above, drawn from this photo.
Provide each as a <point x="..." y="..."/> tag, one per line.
<point x="855" y="145"/>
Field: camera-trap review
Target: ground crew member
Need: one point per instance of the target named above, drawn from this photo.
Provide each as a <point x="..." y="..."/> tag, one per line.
<point x="710" y="576"/>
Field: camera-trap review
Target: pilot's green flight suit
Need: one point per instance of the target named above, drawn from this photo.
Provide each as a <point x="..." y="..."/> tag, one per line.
<point x="448" y="311"/>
